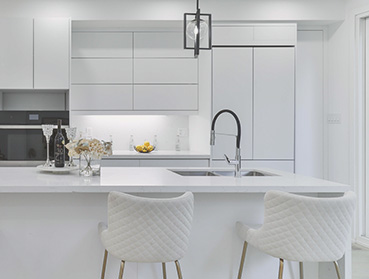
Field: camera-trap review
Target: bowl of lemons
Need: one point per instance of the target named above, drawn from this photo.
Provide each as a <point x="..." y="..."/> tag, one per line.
<point x="144" y="148"/>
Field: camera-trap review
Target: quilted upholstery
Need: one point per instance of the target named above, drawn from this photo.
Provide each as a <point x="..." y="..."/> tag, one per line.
<point x="147" y="230"/>
<point x="300" y="228"/>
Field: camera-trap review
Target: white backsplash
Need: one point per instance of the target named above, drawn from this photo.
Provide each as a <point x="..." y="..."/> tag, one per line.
<point x="142" y="127"/>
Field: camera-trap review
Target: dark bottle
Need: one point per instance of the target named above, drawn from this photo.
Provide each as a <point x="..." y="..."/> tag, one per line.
<point x="59" y="149"/>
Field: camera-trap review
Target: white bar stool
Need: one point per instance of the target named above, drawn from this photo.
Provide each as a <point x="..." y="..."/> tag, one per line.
<point x="303" y="229"/>
<point x="147" y="230"/>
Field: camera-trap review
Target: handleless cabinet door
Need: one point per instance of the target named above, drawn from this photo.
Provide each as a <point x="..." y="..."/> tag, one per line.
<point x="16" y="53"/>
<point x="232" y="89"/>
<point x="51" y="65"/>
<point x="274" y="113"/>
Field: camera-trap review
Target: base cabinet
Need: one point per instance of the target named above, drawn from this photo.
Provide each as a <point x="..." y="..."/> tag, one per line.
<point x="110" y="162"/>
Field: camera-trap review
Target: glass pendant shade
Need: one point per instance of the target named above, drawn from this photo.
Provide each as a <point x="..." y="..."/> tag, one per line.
<point x="192" y="30"/>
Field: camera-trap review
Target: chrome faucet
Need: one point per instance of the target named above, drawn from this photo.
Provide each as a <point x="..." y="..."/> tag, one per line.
<point x="237" y="161"/>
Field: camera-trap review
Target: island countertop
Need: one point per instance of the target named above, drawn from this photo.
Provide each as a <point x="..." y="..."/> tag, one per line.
<point x="157" y="180"/>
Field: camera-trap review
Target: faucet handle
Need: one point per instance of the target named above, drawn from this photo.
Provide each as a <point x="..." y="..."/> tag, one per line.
<point x="227" y="159"/>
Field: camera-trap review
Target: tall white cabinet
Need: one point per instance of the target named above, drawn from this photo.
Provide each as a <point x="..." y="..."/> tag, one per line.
<point x="258" y="83"/>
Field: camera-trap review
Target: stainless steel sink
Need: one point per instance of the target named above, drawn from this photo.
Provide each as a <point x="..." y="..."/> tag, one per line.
<point x="194" y="173"/>
<point x="220" y="173"/>
<point x="244" y="173"/>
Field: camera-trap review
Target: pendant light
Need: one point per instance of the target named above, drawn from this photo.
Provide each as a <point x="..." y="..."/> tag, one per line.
<point x="197" y="30"/>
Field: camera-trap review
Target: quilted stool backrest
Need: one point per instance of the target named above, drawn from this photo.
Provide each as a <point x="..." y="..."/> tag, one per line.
<point x="147" y="229"/>
<point x="301" y="228"/>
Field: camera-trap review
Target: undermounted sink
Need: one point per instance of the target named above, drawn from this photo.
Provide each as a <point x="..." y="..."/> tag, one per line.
<point x="194" y="173"/>
<point x="219" y="173"/>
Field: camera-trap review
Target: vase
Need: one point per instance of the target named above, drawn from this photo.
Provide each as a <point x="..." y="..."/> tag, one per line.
<point x="85" y="168"/>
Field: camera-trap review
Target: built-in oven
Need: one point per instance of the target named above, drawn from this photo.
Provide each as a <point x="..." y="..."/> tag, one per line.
<point x="21" y="139"/>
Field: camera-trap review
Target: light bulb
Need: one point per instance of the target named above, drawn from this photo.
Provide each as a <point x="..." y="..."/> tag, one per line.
<point x="192" y="30"/>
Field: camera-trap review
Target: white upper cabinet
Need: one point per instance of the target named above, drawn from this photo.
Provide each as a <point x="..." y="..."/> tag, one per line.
<point x="101" y="71"/>
<point x="232" y="89"/>
<point x="160" y="44"/>
<point x="255" y="35"/>
<point x="16" y="53"/>
<point x="51" y="53"/>
<point x="102" y="44"/>
<point x="166" y="71"/>
<point x="274" y="102"/>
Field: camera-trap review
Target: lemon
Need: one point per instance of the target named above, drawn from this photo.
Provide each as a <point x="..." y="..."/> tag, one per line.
<point x="146" y="143"/>
<point x="150" y="148"/>
<point x="139" y="148"/>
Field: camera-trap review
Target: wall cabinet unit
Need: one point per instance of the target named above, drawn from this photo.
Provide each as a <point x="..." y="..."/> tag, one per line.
<point x="258" y="84"/>
<point x="16" y="53"/>
<point x="34" y="54"/>
<point x="162" y="76"/>
<point x="51" y="53"/>
<point x="233" y="89"/>
<point x="255" y="35"/>
<point x="105" y="97"/>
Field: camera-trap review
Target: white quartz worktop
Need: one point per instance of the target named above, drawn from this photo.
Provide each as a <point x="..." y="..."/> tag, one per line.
<point x="157" y="180"/>
<point x="158" y="154"/>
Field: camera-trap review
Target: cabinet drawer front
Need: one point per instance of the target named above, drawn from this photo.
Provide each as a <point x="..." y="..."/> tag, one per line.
<point x="101" y="44"/>
<point x="166" y="71"/>
<point x="51" y="53"/>
<point x="101" y="71"/>
<point x="101" y="97"/>
<point x="160" y="44"/>
<point x="165" y="97"/>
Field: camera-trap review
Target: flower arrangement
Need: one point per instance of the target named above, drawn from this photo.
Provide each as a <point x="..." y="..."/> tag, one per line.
<point x="88" y="149"/>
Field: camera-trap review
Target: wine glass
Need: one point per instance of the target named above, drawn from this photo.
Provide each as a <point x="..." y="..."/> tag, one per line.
<point x="71" y="134"/>
<point x="47" y="130"/>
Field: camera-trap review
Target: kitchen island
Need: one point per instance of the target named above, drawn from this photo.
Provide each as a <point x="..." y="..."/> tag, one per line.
<point x="48" y="222"/>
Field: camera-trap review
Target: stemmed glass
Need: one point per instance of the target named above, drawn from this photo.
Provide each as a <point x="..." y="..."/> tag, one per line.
<point x="71" y="134"/>
<point x="47" y="130"/>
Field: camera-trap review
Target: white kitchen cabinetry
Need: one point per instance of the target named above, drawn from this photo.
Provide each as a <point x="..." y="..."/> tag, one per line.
<point x="232" y="89"/>
<point x="255" y="35"/>
<point x="101" y="97"/>
<point x="168" y="71"/>
<point x="250" y="164"/>
<point x="51" y="54"/>
<point x="101" y="71"/>
<point x="108" y="162"/>
<point x="165" y="97"/>
<point x="16" y="53"/>
<point x="102" y="44"/>
<point x="160" y="44"/>
<point x="274" y="103"/>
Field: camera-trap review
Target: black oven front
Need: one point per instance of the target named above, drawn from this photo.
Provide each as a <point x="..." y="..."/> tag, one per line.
<point x="21" y="137"/>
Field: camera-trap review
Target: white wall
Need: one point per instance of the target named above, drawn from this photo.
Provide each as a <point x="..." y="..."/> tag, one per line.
<point x="251" y="10"/>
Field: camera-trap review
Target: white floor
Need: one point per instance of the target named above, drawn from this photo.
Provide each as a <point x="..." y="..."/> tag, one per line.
<point x="360" y="263"/>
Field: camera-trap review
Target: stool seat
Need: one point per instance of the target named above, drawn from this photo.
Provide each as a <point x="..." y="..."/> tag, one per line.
<point x="147" y="230"/>
<point x="301" y="228"/>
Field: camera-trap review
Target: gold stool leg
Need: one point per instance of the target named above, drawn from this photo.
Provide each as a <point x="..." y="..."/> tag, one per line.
<point x="280" y="276"/>
<point x="179" y="272"/>
<point x="104" y="264"/>
<point x="121" y="269"/>
<point x="164" y="271"/>
<point x="242" y="260"/>
<point x="301" y="270"/>
<point x="337" y="269"/>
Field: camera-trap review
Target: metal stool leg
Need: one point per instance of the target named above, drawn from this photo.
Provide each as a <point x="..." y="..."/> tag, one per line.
<point x="164" y="271"/>
<point x="104" y="264"/>
<point x="121" y="269"/>
<point x="301" y="265"/>
<point x="242" y="263"/>
<point x="280" y="276"/>
<point x="337" y="269"/>
<point x="179" y="272"/>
